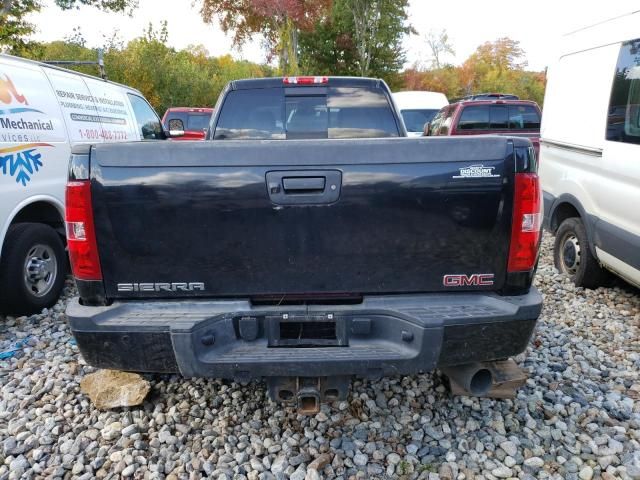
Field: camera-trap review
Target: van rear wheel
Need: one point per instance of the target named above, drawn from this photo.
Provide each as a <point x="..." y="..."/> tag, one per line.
<point x="572" y="255"/>
<point x="32" y="268"/>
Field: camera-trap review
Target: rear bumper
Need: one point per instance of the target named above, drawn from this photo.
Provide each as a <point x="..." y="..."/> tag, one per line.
<point x="384" y="335"/>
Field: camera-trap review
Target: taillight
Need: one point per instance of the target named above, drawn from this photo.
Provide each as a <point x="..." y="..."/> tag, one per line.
<point x="81" y="235"/>
<point x="527" y="223"/>
<point x="305" y="80"/>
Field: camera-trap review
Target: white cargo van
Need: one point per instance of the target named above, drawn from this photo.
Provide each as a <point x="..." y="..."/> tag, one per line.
<point x="590" y="152"/>
<point x="44" y="111"/>
<point x="418" y="108"/>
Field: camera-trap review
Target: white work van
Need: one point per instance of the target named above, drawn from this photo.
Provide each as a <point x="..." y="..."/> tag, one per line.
<point x="418" y="108"/>
<point x="590" y="152"/>
<point x="44" y="112"/>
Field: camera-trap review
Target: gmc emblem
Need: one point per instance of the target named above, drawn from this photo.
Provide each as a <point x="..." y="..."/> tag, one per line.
<point x="475" y="280"/>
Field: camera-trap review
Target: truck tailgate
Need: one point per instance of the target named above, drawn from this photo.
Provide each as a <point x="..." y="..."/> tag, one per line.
<point x="309" y="217"/>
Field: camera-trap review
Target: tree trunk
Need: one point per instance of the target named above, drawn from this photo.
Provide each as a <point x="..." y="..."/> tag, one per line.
<point x="366" y="19"/>
<point x="288" y="48"/>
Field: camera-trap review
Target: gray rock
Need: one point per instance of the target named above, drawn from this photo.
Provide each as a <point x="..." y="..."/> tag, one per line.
<point x="502" y="472"/>
<point x="534" y="463"/>
<point x="10" y="446"/>
<point x="360" y="459"/>
<point x="312" y="474"/>
<point x="112" y="431"/>
<point x="298" y="459"/>
<point x="129" y="430"/>
<point x="393" y="459"/>
<point x="129" y="470"/>
<point x="299" y="474"/>
<point x="632" y="464"/>
<point x="510" y="448"/>
<point x="19" y="464"/>
<point x="586" y="473"/>
<point x="279" y="465"/>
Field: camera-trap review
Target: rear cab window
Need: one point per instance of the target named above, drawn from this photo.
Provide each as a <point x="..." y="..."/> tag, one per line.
<point x="306" y="112"/>
<point x="474" y="118"/>
<point x="623" y="120"/>
<point x="198" y="121"/>
<point x="499" y="117"/>
<point x="524" y="117"/>
<point x="192" y="121"/>
<point x="252" y="114"/>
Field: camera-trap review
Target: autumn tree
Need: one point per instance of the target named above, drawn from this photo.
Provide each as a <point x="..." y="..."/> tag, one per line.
<point x="494" y="67"/>
<point x="279" y="22"/>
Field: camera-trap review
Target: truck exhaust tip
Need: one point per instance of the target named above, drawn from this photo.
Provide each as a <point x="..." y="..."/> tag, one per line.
<point x="474" y="378"/>
<point x="481" y="382"/>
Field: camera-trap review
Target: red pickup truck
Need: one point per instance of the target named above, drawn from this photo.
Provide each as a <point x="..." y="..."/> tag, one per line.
<point x="517" y="118"/>
<point x="194" y="122"/>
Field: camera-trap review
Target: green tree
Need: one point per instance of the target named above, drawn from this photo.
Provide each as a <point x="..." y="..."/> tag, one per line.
<point x="167" y="77"/>
<point x="111" y="5"/>
<point x="359" y="37"/>
<point x="15" y="29"/>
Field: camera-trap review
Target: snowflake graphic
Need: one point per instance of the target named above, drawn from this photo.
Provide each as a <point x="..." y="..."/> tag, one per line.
<point x="21" y="164"/>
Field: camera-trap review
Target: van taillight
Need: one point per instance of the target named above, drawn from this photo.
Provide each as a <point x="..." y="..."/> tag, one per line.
<point x="527" y="223"/>
<point x="81" y="236"/>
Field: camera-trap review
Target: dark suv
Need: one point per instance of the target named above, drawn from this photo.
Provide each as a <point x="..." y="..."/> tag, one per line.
<point x="489" y="117"/>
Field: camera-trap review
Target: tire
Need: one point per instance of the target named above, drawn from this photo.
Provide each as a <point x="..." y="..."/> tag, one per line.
<point x="572" y="255"/>
<point x="32" y="269"/>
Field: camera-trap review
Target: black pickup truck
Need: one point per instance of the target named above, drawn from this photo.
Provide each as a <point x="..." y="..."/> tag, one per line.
<point x="307" y="261"/>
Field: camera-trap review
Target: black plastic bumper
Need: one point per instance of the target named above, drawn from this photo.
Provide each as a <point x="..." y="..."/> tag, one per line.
<point x="384" y="335"/>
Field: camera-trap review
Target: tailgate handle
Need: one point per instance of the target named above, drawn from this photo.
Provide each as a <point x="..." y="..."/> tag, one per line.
<point x="304" y="187"/>
<point x="303" y="184"/>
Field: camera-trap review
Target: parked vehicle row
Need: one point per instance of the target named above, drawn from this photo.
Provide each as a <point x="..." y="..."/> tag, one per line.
<point x="313" y="259"/>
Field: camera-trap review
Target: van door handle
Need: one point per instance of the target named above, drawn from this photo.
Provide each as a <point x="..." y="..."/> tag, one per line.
<point x="304" y="187"/>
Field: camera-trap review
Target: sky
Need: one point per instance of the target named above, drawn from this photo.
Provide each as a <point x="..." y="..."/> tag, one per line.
<point x="537" y="25"/>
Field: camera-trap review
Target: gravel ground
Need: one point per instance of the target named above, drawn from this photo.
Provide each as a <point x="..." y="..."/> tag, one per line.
<point x="578" y="417"/>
